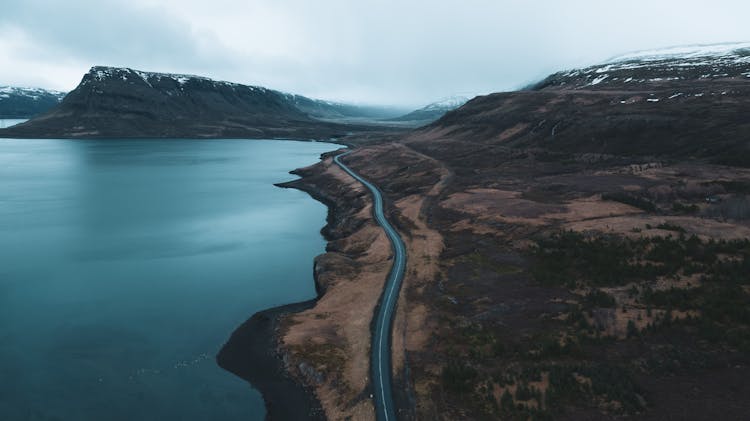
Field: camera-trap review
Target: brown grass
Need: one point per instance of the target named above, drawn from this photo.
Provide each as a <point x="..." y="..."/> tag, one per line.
<point x="492" y="205"/>
<point x="541" y="385"/>
<point x="508" y="133"/>
<point x="413" y="327"/>
<point x="340" y="321"/>
<point x="636" y="226"/>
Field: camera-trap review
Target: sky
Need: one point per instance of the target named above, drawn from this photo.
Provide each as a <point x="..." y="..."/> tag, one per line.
<point x="381" y="52"/>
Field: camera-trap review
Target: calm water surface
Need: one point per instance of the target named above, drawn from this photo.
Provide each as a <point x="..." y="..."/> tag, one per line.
<point x="125" y="265"/>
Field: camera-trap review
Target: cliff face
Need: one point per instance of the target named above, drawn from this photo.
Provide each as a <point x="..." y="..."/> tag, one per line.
<point x="122" y="102"/>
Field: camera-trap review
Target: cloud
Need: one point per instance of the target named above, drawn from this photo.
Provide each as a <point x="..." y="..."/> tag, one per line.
<point x="43" y="40"/>
<point x="107" y="31"/>
<point x="377" y="51"/>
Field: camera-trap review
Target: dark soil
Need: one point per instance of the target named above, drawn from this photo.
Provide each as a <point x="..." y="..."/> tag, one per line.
<point x="252" y="354"/>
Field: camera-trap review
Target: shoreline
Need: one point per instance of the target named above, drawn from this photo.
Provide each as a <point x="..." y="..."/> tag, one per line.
<point x="253" y="353"/>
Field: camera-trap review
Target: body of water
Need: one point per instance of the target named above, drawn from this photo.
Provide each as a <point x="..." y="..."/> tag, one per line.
<point x="7" y="122"/>
<point x="126" y="264"/>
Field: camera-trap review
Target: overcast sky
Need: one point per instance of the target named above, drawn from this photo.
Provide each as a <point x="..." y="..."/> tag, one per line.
<point x="405" y="52"/>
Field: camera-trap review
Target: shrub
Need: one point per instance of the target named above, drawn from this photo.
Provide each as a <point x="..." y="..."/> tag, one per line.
<point x="630" y="199"/>
<point x="458" y="377"/>
<point x="632" y="330"/>
<point x="737" y="208"/>
<point x="670" y="227"/>
<point x="599" y="298"/>
<point x="680" y="208"/>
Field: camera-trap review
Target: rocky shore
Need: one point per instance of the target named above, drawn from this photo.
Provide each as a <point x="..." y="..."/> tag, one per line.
<point x="252" y="354"/>
<point x="260" y="351"/>
<point x="325" y="345"/>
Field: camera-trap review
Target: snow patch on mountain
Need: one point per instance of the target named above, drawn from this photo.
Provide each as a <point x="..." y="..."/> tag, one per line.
<point x="687" y="52"/>
<point x="449" y="103"/>
<point x="31" y="93"/>
<point x="598" y="80"/>
<point x="663" y="65"/>
<point x="103" y="73"/>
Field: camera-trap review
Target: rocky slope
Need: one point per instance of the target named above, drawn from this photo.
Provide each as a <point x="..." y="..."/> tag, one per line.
<point x="329" y="110"/>
<point x="433" y="111"/>
<point x="574" y="254"/>
<point x="27" y="102"/>
<point x="667" y="67"/>
<point x="677" y="105"/>
<point x="122" y="102"/>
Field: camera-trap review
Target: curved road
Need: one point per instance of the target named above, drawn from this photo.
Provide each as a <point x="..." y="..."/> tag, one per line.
<point x="381" y="335"/>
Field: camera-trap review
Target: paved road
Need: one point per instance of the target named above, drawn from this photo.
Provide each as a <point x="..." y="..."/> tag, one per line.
<point x="381" y="335"/>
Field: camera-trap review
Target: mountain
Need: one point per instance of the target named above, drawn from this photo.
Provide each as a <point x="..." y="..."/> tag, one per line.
<point x="27" y="102"/>
<point x="666" y="67"/>
<point x="680" y="102"/>
<point x="329" y="110"/>
<point x="123" y="102"/>
<point x="433" y="111"/>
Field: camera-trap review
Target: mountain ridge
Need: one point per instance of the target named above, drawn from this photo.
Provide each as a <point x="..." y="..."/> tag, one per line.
<point x="433" y="111"/>
<point x="661" y="107"/>
<point x="124" y="102"/>
<point x="673" y="65"/>
<point x="24" y="102"/>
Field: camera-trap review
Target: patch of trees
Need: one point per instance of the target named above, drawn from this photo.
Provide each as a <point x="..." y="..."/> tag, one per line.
<point x="631" y="199"/>
<point x="458" y="377"/>
<point x="670" y="227"/>
<point x="720" y="302"/>
<point x="737" y="208"/>
<point x="571" y="259"/>
<point x="684" y="209"/>
<point x="598" y="298"/>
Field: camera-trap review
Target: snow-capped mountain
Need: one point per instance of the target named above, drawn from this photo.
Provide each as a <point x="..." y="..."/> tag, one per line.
<point x="433" y="111"/>
<point x="331" y="110"/>
<point x="123" y="102"/>
<point x="168" y="83"/>
<point x="178" y="82"/>
<point x="669" y="66"/>
<point x="16" y="102"/>
<point x="446" y="104"/>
